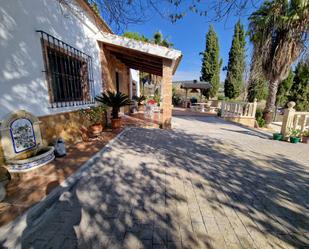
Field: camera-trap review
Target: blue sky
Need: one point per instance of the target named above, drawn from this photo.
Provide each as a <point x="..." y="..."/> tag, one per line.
<point x="188" y="35"/>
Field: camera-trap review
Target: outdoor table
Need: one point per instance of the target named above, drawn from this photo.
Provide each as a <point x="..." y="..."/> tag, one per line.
<point x="202" y="106"/>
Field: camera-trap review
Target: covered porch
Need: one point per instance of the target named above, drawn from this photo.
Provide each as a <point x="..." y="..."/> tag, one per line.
<point x="119" y="55"/>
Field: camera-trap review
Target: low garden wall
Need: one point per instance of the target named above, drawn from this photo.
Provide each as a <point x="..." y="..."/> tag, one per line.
<point x="294" y="120"/>
<point x="68" y="126"/>
<point x="239" y="112"/>
<point x="71" y="126"/>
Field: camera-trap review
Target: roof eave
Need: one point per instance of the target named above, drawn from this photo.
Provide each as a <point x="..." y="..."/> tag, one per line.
<point x="143" y="47"/>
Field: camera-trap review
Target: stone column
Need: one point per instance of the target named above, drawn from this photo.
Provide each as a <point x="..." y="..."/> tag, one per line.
<point x="288" y="119"/>
<point x="166" y="94"/>
<point x="254" y="108"/>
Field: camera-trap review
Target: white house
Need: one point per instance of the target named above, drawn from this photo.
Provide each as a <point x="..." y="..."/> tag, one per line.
<point x="57" y="55"/>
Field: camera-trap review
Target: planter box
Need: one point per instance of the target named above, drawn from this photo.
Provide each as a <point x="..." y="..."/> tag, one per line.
<point x="294" y="140"/>
<point x="306" y="140"/>
<point x="278" y="136"/>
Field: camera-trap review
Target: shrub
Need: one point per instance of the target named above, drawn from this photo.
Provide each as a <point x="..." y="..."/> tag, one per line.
<point x="139" y="100"/>
<point x="93" y="114"/>
<point x="219" y="113"/>
<point x="259" y="117"/>
<point x="115" y="100"/>
<point x="193" y="100"/>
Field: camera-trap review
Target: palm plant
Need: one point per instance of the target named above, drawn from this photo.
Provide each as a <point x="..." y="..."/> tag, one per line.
<point x="115" y="100"/>
<point x="279" y="32"/>
<point x="139" y="99"/>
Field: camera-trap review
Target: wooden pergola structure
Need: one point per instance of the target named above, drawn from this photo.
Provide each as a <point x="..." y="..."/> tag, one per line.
<point x="145" y="57"/>
<point x="194" y="85"/>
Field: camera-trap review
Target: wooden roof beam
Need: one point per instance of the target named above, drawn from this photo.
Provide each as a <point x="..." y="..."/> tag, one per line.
<point x="137" y="55"/>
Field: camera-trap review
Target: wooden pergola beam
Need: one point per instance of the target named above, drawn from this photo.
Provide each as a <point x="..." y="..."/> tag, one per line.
<point x="138" y="61"/>
<point x="135" y="54"/>
<point x="142" y="67"/>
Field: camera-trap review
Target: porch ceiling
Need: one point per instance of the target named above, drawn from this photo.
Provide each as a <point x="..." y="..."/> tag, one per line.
<point x="139" y="55"/>
<point x="137" y="60"/>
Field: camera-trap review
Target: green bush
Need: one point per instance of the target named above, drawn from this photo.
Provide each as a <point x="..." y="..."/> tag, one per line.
<point x="259" y="118"/>
<point x="221" y="97"/>
<point x="193" y="100"/>
<point x="219" y="113"/>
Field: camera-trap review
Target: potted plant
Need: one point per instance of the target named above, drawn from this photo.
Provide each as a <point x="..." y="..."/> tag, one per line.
<point x="278" y="136"/>
<point x="306" y="137"/>
<point x="295" y="136"/>
<point x="140" y="101"/>
<point x="115" y="101"/>
<point x="94" y="116"/>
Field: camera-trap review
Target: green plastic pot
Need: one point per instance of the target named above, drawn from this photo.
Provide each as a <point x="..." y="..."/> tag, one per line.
<point x="294" y="140"/>
<point x="277" y="136"/>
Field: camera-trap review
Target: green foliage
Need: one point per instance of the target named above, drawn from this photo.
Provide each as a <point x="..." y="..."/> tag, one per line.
<point x="175" y="97"/>
<point x="193" y="100"/>
<point x="305" y="133"/>
<point x="211" y="63"/>
<point x="158" y="38"/>
<point x="234" y="81"/>
<point x="95" y="8"/>
<point x="257" y="89"/>
<point x="136" y="36"/>
<point x="139" y="99"/>
<point x="220" y="97"/>
<point x="299" y="92"/>
<point x="294" y="132"/>
<point x="114" y="100"/>
<point x="259" y="117"/>
<point x="279" y="32"/>
<point x="219" y="113"/>
<point x="94" y="114"/>
<point x="284" y="89"/>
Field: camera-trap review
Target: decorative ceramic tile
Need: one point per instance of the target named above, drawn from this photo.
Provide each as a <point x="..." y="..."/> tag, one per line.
<point x="33" y="164"/>
<point x="22" y="135"/>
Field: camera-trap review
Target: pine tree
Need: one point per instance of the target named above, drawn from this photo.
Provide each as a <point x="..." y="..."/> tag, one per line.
<point x="234" y="81"/>
<point x="211" y="63"/>
<point x="299" y="92"/>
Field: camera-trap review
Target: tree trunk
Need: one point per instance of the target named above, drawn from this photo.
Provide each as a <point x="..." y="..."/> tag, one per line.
<point x="271" y="101"/>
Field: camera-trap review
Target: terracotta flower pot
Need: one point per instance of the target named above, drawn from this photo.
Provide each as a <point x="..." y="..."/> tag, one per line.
<point x="306" y="140"/>
<point x="95" y="130"/>
<point x="141" y="108"/>
<point x="116" y="123"/>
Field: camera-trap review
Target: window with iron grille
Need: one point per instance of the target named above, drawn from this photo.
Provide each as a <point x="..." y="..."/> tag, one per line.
<point x="68" y="73"/>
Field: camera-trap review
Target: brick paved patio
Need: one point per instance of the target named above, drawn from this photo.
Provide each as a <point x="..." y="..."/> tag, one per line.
<point x="205" y="184"/>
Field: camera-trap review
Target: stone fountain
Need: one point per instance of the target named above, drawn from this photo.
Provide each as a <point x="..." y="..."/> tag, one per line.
<point x="22" y="143"/>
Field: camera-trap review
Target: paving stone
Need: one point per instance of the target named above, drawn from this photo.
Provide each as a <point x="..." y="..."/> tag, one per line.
<point x="206" y="184"/>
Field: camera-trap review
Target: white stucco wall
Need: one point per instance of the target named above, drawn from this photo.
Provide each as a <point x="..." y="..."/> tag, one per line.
<point x="134" y="76"/>
<point x="22" y="82"/>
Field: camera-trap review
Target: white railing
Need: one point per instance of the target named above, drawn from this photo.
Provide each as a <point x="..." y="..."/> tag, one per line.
<point x="294" y="120"/>
<point x="238" y="109"/>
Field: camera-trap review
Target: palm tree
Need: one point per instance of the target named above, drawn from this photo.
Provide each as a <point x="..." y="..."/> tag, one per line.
<point x="279" y="32"/>
<point x="115" y="100"/>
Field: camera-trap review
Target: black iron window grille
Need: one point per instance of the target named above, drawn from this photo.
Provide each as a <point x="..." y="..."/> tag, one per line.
<point x="68" y="73"/>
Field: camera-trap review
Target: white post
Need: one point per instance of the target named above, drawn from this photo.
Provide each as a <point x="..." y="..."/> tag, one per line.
<point x="222" y="109"/>
<point x="288" y="119"/>
<point x="254" y="108"/>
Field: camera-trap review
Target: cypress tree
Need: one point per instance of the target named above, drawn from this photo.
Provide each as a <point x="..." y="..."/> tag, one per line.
<point x="299" y="92"/>
<point x="211" y="63"/>
<point x="234" y="81"/>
